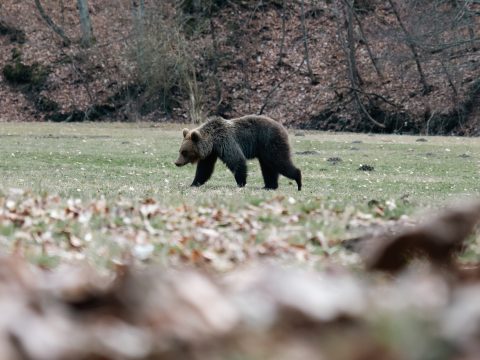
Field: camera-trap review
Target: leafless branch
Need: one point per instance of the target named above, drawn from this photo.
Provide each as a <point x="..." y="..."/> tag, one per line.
<point x="51" y="24"/>
<point x="411" y="44"/>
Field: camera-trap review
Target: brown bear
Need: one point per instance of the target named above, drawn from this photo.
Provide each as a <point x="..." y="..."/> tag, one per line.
<point x="234" y="141"/>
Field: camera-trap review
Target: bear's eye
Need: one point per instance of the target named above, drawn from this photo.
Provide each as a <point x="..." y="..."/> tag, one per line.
<point x="184" y="153"/>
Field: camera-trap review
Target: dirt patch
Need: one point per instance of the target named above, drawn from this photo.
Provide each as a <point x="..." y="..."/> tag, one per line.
<point x="308" y="152"/>
<point x="334" y="160"/>
<point x="366" y="168"/>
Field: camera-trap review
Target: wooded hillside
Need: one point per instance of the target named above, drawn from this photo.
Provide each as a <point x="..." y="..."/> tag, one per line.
<point x="358" y="65"/>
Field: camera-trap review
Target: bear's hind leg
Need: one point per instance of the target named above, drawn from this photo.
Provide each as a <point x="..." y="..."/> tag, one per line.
<point x="270" y="176"/>
<point x="292" y="172"/>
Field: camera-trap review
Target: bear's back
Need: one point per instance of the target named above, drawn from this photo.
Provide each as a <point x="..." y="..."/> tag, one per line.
<point x="257" y="134"/>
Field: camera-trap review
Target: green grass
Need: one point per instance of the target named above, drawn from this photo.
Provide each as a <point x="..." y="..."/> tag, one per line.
<point x="128" y="163"/>
<point x="136" y="161"/>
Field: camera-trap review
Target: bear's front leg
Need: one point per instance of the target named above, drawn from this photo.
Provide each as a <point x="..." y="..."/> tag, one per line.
<point x="204" y="170"/>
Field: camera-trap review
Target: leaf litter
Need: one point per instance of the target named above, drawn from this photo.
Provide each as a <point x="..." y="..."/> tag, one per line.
<point x="214" y="283"/>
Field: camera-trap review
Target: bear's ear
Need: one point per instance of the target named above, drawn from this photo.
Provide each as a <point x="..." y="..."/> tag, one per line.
<point x="195" y="136"/>
<point x="185" y="132"/>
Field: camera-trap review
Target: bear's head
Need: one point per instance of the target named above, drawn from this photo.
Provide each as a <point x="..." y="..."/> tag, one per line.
<point x="190" y="150"/>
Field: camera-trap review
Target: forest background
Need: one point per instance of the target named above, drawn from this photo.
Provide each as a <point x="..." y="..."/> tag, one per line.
<point x="378" y="66"/>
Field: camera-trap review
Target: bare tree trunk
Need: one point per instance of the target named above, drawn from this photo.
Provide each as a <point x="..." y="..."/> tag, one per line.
<point x="62" y="11"/>
<point x="369" y="50"/>
<point x="247" y="91"/>
<point x="138" y="8"/>
<point x="441" y="59"/>
<point x="353" y="75"/>
<point x="457" y="107"/>
<point x="218" y="85"/>
<point x="471" y="33"/>
<point x="85" y="24"/>
<point x="471" y="20"/>
<point x="197" y="6"/>
<point x="281" y="54"/>
<point x="426" y="88"/>
<point x="51" y="24"/>
<point x="138" y="14"/>
<point x="352" y="62"/>
<point x="81" y="77"/>
<point x="313" y="80"/>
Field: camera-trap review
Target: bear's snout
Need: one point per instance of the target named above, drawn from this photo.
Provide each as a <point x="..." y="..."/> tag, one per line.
<point x="180" y="162"/>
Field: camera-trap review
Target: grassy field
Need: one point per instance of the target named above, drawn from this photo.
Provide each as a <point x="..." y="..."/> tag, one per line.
<point x="123" y="165"/>
<point x="136" y="161"/>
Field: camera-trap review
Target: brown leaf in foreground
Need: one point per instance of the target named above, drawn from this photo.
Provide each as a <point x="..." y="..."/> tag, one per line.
<point x="436" y="239"/>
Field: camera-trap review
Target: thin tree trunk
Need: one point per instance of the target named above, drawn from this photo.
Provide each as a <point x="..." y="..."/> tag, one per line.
<point x="471" y="20"/>
<point x="352" y="62"/>
<point x="313" y="80"/>
<point x="426" y="88"/>
<point x="138" y="14"/>
<point x="62" y="11"/>
<point x="51" y="24"/>
<point x="197" y="6"/>
<point x="353" y="75"/>
<point x="471" y="33"/>
<point x="281" y="54"/>
<point x="85" y="23"/>
<point x="454" y="93"/>
<point x="218" y="85"/>
<point x="369" y="50"/>
<point x="84" y="82"/>
<point x="139" y="9"/>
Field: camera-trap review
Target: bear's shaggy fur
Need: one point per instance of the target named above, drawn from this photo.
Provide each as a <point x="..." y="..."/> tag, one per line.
<point x="234" y="141"/>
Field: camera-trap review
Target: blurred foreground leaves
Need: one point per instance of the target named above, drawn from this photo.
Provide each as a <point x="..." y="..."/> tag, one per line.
<point x="424" y="307"/>
<point x="48" y="229"/>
